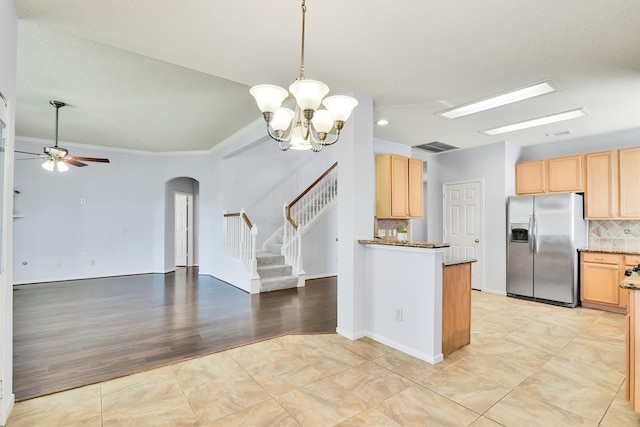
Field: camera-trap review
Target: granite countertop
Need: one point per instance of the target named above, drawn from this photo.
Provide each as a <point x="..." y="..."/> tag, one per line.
<point x="408" y="244"/>
<point x="611" y="251"/>
<point x="631" y="283"/>
<point x="452" y="260"/>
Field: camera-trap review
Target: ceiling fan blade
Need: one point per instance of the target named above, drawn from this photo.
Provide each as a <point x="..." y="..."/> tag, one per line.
<point x="91" y="159"/>
<point x="27" y="152"/>
<point x="73" y="162"/>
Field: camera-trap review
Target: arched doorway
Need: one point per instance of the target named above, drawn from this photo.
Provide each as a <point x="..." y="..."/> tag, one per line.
<point x="181" y="222"/>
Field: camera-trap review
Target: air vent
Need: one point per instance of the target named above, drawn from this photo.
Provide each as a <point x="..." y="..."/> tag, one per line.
<point x="557" y="134"/>
<point x="436" y="147"/>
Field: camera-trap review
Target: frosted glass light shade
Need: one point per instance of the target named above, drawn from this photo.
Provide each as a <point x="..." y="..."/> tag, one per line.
<point x="268" y="97"/>
<point x="322" y="121"/>
<point x="62" y="166"/>
<point x="49" y="165"/>
<point x="281" y="119"/>
<point x="308" y="93"/>
<point x="297" y="139"/>
<point x="340" y="106"/>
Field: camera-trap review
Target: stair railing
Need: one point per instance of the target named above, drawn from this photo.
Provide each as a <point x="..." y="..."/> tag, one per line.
<point x="239" y="239"/>
<point x="305" y="210"/>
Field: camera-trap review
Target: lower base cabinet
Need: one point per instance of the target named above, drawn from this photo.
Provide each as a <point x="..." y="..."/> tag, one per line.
<point x="600" y="277"/>
<point x="456" y="307"/>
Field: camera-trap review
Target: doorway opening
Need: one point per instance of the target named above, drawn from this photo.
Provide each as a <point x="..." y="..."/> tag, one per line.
<point x="181" y="223"/>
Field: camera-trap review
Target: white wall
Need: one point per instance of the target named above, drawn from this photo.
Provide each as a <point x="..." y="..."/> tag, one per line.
<point x="8" y="49"/>
<point x="125" y="225"/>
<point x="356" y="210"/>
<point x="565" y="147"/>
<point x="112" y="213"/>
<point x="488" y="163"/>
<point x="264" y="178"/>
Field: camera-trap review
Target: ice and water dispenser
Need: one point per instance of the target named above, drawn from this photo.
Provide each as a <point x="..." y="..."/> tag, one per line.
<point x="519" y="232"/>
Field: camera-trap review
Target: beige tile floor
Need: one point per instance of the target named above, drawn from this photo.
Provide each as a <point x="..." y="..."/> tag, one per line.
<point x="528" y="364"/>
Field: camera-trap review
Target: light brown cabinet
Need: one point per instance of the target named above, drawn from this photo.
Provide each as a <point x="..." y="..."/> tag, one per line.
<point x="398" y="187"/>
<point x="555" y="175"/>
<point x="632" y="352"/>
<point x="600" y="277"/>
<point x="531" y="177"/>
<point x="612" y="177"/>
<point x="566" y="174"/>
<point x="629" y="165"/>
<point x="601" y="194"/>
<point x="456" y="307"/>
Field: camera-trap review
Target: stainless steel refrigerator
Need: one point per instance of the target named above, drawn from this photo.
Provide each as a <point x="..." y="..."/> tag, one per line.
<point x="544" y="234"/>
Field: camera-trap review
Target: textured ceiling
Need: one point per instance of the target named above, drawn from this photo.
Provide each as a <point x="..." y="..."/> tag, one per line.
<point x="163" y="75"/>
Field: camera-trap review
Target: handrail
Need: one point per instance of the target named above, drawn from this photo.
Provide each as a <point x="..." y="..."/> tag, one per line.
<point x="244" y="216"/>
<point x="304" y="193"/>
<point x="303" y="212"/>
<point x="239" y="241"/>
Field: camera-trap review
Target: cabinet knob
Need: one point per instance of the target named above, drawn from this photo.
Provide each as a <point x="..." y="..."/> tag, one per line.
<point x="477" y="240"/>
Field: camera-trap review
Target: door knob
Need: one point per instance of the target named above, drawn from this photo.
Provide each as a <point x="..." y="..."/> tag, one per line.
<point x="477" y="240"/>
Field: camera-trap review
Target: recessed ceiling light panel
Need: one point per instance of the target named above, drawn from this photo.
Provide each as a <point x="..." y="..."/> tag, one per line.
<point x="553" y="118"/>
<point x="499" y="100"/>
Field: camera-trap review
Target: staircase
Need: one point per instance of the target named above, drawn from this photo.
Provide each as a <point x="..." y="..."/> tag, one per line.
<point x="279" y="265"/>
<point x="274" y="273"/>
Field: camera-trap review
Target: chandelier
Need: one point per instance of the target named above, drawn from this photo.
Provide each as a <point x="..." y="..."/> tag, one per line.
<point x="308" y="127"/>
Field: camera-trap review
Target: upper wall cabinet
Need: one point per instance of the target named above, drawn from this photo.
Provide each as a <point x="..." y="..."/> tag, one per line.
<point x="531" y="177"/>
<point x="629" y="165"/>
<point x="612" y="178"/>
<point x="398" y="187"/>
<point x="602" y="185"/>
<point x="556" y="175"/>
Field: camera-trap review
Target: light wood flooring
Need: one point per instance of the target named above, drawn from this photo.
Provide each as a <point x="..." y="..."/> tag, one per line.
<point x="528" y="364"/>
<point x="75" y="333"/>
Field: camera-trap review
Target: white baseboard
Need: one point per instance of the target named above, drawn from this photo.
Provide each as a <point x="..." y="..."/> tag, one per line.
<point x="5" y="410"/>
<point x="429" y="358"/>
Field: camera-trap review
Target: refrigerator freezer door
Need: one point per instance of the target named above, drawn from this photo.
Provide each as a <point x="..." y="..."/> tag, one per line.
<point x="555" y="257"/>
<point x="520" y="270"/>
<point x="519" y="252"/>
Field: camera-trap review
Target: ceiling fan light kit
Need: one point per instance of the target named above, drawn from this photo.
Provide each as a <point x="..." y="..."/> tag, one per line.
<point x="308" y="127"/>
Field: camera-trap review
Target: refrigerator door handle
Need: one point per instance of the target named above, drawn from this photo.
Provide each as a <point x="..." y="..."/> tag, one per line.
<point x="531" y="233"/>
<point x="535" y="233"/>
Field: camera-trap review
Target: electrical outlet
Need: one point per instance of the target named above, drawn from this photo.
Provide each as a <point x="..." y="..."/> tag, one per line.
<point x="93" y="262"/>
<point x="399" y="314"/>
<point x="83" y="255"/>
<point x="83" y="201"/>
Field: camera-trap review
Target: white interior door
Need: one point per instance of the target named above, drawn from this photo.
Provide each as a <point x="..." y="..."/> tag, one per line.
<point x="463" y="223"/>
<point x="181" y="229"/>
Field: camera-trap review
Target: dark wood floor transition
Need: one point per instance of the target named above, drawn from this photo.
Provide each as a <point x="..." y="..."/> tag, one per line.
<point x="69" y="334"/>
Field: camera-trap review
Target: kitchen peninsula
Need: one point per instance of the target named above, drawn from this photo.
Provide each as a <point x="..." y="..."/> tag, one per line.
<point x="405" y="296"/>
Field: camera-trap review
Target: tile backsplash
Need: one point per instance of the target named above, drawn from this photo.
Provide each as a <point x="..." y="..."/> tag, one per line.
<point x="614" y="234"/>
<point x="390" y="226"/>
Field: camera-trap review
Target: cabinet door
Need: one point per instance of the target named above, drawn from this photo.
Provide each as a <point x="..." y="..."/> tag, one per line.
<point x="383" y="186"/>
<point x="399" y="185"/>
<point x="565" y="174"/>
<point x="629" y="179"/>
<point x="601" y="187"/>
<point x="531" y="177"/>
<point x="415" y="188"/>
<point x="600" y="283"/>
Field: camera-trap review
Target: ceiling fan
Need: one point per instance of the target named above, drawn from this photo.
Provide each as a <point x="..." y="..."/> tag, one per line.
<point x="58" y="157"/>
